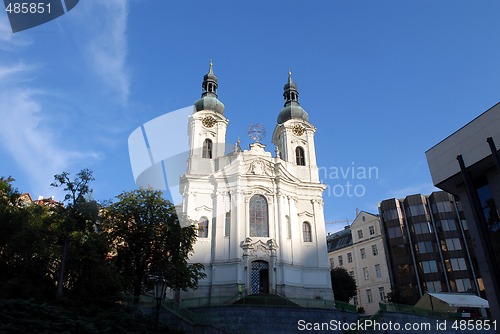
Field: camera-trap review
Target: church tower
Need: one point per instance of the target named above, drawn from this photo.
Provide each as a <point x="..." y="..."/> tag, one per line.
<point x="207" y="128"/>
<point x="294" y="135"/>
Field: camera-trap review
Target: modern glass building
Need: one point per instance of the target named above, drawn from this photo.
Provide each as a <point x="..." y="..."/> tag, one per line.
<point x="428" y="247"/>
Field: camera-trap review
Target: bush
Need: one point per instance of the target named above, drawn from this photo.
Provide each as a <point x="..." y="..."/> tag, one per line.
<point x="26" y="316"/>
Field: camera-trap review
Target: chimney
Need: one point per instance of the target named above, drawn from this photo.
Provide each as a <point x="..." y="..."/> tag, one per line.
<point x="357" y="212"/>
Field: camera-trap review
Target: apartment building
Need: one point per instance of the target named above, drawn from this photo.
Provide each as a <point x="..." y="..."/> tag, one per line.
<point x="360" y="250"/>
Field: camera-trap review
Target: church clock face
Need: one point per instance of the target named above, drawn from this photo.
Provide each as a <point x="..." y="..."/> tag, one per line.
<point x="298" y="130"/>
<point x="208" y="121"/>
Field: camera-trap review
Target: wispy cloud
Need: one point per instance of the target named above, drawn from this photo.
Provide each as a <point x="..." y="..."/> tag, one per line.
<point x="11" y="72"/>
<point x="107" y="49"/>
<point x="424" y="189"/>
<point x="34" y="146"/>
<point x="5" y="30"/>
<point x="8" y="40"/>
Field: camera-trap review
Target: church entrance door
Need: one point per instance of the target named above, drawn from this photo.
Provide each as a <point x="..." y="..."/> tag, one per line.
<point x="260" y="277"/>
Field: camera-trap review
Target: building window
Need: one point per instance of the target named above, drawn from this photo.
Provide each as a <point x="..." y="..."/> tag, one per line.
<point x="259" y="225"/>
<point x="351" y="273"/>
<point x="299" y="156"/>
<point x="447" y="225"/>
<point x="433" y="286"/>
<point x="369" y="296"/>
<point x="366" y="274"/>
<point x="227" y="229"/>
<point x="442" y="206"/>
<point x="453" y="244"/>
<point x="355" y="300"/>
<point x="404" y="270"/>
<point x="203" y="227"/>
<point x="391" y="214"/>
<point x="394" y="232"/>
<point x="207" y="149"/>
<point x="371" y="229"/>
<point x="455" y="264"/>
<point x="306" y="232"/>
<point x="374" y="250"/>
<point x="464" y="224"/>
<point x="428" y="266"/>
<point x="416" y="210"/>
<point x="363" y="253"/>
<point x="381" y="293"/>
<point x="421" y="228"/>
<point x="378" y="271"/>
<point x="349" y="257"/>
<point x="360" y="234"/>
<point x="424" y="247"/>
<point x="460" y="285"/>
<point x="490" y="211"/>
<point x="400" y="250"/>
<point x="341" y="261"/>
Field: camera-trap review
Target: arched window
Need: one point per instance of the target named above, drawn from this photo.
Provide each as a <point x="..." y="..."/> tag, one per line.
<point x="203" y="227"/>
<point x="207" y="149"/>
<point x="288" y="228"/>
<point x="306" y="232"/>
<point x="299" y="156"/>
<point x="259" y="225"/>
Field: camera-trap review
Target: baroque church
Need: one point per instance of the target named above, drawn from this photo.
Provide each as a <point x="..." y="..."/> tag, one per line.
<point x="260" y="217"/>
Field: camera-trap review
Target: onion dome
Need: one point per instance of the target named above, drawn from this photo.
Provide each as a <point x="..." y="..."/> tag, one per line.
<point x="292" y="108"/>
<point x="209" y="99"/>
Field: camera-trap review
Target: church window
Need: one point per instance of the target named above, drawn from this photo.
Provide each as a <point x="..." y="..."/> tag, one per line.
<point x="203" y="227"/>
<point x="306" y="232"/>
<point x="288" y="228"/>
<point x="227" y="229"/>
<point x="207" y="149"/>
<point x="259" y="225"/>
<point x="299" y="156"/>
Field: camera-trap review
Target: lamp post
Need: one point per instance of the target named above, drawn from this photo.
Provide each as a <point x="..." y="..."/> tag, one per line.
<point x="160" y="286"/>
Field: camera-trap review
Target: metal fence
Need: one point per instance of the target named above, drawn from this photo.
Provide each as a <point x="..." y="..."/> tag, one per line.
<point x="400" y="308"/>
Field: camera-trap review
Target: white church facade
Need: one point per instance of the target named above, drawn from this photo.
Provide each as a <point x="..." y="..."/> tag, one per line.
<point x="260" y="216"/>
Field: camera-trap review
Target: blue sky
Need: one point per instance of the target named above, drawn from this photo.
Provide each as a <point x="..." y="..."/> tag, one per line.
<point x="383" y="81"/>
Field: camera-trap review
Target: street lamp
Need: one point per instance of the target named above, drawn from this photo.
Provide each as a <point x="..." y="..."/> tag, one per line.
<point x="160" y="286"/>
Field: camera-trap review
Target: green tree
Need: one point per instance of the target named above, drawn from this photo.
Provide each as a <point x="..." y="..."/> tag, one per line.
<point x="343" y="284"/>
<point x="25" y="246"/>
<point x="74" y="213"/>
<point x="397" y="296"/>
<point x="84" y="268"/>
<point x="44" y="247"/>
<point x="148" y="240"/>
